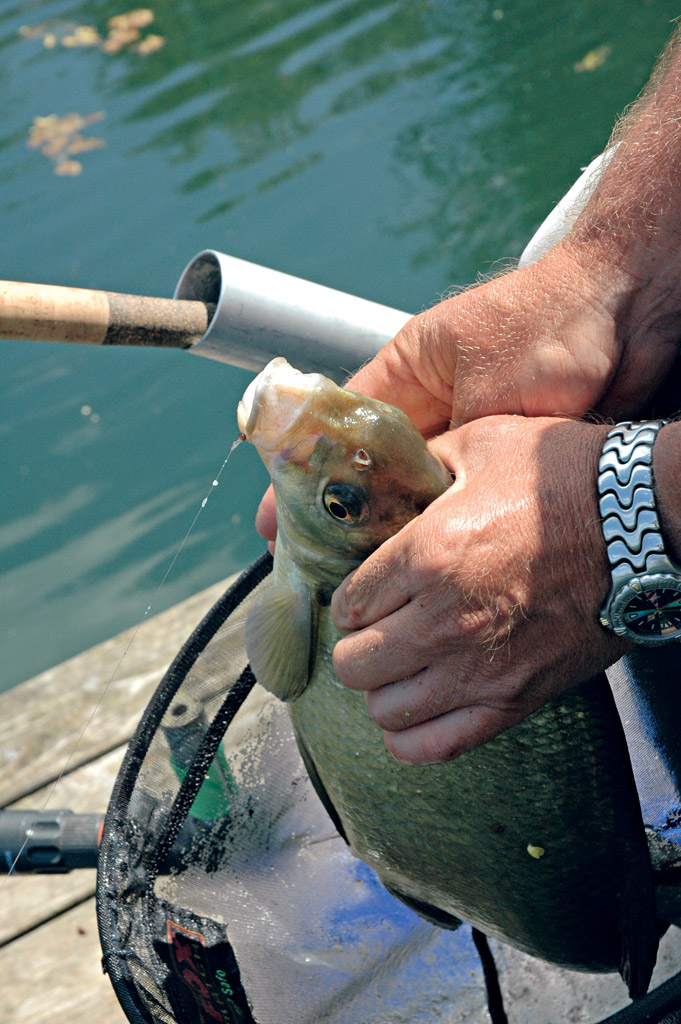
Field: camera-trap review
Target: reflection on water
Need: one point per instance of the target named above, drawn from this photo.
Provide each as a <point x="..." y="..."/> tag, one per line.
<point x="390" y="149"/>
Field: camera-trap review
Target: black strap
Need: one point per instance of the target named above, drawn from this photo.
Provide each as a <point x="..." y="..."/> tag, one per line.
<point x="495" y="1000"/>
<point x="661" y="1006"/>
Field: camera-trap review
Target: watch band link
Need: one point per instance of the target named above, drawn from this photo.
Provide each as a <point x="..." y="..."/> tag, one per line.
<point x="631" y="527"/>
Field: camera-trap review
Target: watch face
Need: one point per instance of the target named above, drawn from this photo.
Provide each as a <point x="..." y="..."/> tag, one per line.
<point x="654" y="613"/>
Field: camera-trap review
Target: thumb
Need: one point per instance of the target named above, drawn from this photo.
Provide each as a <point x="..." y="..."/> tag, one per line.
<point x="266" y="516"/>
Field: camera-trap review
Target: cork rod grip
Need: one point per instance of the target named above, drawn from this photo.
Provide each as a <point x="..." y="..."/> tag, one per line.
<point x="41" y="312"/>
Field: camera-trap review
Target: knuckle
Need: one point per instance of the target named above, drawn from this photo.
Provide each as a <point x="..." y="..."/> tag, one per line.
<point x="352" y="603"/>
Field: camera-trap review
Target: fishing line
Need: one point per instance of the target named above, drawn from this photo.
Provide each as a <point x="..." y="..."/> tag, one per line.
<point x="114" y="674"/>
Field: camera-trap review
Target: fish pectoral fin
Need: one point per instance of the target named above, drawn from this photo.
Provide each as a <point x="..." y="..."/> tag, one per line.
<point x="278" y="635"/>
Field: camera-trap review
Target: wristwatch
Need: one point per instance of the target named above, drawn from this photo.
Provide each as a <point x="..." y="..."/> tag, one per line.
<point x="644" y="603"/>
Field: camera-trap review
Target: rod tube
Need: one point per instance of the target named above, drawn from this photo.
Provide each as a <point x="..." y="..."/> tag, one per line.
<point x="262" y="313"/>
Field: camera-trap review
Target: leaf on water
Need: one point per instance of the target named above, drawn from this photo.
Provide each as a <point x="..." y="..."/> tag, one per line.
<point x="84" y="35"/>
<point x="123" y="31"/>
<point x="68" y="168"/>
<point x="150" y="44"/>
<point x="59" y="138"/>
<point x="118" y="38"/>
<point x="81" y="145"/>
<point x="31" y="31"/>
<point x="139" y="18"/>
<point x="593" y="59"/>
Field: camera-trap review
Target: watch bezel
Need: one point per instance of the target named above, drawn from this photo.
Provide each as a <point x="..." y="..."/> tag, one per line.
<point x="614" y="613"/>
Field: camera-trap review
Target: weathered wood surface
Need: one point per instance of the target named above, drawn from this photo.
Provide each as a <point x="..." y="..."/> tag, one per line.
<point x="93" y="700"/>
<point x="49" y="947"/>
<point x="53" y="975"/>
<point x="29" y="900"/>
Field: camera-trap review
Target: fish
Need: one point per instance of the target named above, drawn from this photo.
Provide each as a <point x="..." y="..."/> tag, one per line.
<point x="535" y="837"/>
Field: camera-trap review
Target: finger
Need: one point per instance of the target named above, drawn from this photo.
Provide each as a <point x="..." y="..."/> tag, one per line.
<point x="409" y="702"/>
<point x="450" y="735"/>
<point x="380" y="585"/>
<point x="383" y="653"/>
<point x="448" y="448"/>
<point x="266" y="516"/>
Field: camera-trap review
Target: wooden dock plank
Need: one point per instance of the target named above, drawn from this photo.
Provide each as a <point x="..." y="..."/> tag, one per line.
<point x="42" y="720"/>
<point x="28" y="900"/>
<point x="53" y="975"/>
<point x="535" y="992"/>
<point x="50" y="956"/>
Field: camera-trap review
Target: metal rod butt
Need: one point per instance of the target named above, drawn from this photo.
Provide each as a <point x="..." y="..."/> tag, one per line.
<point x="262" y="313"/>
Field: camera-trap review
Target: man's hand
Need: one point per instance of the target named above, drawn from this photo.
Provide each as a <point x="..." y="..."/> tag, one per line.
<point x="486" y="605"/>
<point x="535" y="342"/>
<point x="528" y="342"/>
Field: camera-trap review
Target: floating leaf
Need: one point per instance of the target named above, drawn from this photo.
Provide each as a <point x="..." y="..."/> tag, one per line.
<point x="68" y="168"/>
<point x="123" y="31"/>
<point x="84" y="35"/>
<point x="593" y="59"/>
<point x="139" y="18"/>
<point x="118" y="38"/>
<point x="31" y="31"/>
<point x="150" y="44"/>
<point x="59" y="138"/>
<point x="81" y="145"/>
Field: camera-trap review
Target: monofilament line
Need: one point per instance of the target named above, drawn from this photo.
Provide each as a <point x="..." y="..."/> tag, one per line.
<point x="129" y="644"/>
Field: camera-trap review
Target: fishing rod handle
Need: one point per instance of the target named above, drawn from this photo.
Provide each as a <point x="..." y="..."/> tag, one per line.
<point x="45" y="312"/>
<point x="48" y="842"/>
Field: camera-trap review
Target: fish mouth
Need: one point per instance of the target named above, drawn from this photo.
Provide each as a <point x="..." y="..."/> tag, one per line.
<point x="273" y="401"/>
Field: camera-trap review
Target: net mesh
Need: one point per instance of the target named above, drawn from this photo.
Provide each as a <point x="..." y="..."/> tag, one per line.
<point x="225" y="893"/>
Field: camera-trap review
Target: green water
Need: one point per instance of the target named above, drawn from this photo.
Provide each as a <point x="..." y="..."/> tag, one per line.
<point x="388" y="149"/>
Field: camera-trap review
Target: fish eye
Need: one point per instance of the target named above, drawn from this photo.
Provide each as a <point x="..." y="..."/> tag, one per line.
<point x="346" y="504"/>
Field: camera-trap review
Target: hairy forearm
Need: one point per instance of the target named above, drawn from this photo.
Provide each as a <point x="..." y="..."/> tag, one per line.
<point x="595" y="324"/>
<point x="628" y="238"/>
<point x="635" y="211"/>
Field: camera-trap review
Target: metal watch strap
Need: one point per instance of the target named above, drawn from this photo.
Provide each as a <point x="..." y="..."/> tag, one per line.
<point x="626" y="499"/>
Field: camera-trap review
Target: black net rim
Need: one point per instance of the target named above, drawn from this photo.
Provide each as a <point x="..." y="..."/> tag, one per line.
<point x="114" y="960"/>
